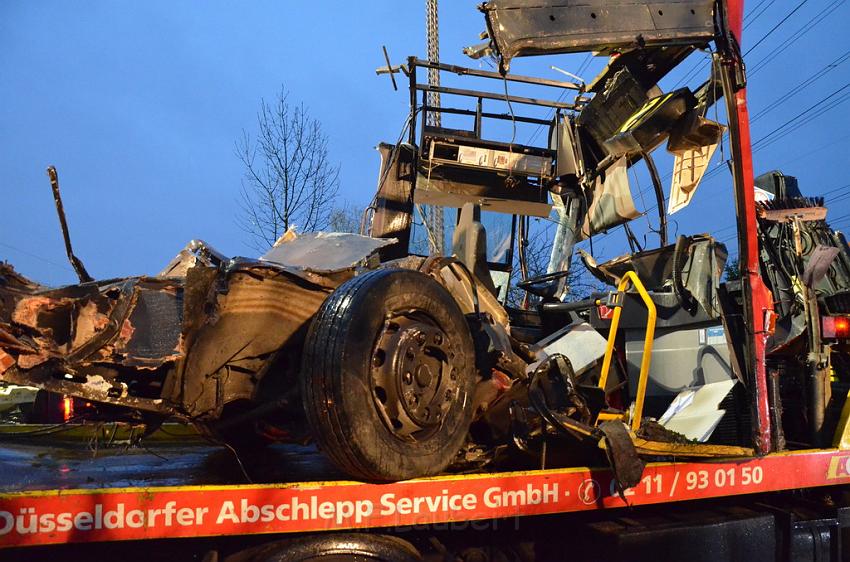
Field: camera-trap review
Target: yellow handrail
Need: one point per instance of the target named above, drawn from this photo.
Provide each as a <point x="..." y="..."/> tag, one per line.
<point x="632" y="277"/>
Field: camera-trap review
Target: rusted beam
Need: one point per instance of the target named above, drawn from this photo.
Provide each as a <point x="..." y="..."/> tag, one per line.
<point x="60" y="210"/>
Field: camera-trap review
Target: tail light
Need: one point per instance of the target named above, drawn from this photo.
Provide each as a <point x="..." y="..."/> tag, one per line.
<point x="67" y="408"/>
<point x="835" y="327"/>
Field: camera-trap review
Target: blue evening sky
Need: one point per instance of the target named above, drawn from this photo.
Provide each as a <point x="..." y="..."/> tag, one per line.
<point x="138" y="104"/>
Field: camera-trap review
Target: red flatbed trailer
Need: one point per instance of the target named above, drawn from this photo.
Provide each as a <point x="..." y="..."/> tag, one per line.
<point x="45" y="512"/>
<point x="181" y="492"/>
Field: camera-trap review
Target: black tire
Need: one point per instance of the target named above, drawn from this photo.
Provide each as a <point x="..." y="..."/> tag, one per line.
<point x="342" y="404"/>
<point x="359" y="547"/>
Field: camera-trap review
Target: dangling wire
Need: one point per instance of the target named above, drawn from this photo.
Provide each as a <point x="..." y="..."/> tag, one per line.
<point x="510" y="181"/>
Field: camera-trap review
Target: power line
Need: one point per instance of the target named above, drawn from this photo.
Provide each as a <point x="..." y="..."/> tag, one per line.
<point x="727" y="238"/>
<point x="801" y="118"/>
<point x="551" y="114"/>
<point x="808" y="26"/>
<point x="802" y="85"/>
<point x="750" y="18"/>
<point x="691" y="73"/>
<point x="585" y="64"/>
<point x="775" y="27"/>
<point x="818" y="149"/>
<point x="839" y="188"/>
<point x="36" y="256"/>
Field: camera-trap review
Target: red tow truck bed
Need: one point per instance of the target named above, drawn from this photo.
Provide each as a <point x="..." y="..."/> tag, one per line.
<point x="69" y="494"/>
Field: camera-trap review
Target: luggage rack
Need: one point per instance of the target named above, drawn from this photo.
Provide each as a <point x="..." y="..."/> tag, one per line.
<point x="468" y="148"/>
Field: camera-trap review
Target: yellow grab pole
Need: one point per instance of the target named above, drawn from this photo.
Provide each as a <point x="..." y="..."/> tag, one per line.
<point x="631" y="277"/>
<point x="612" y="335"/>
<point x="647" y="348"/>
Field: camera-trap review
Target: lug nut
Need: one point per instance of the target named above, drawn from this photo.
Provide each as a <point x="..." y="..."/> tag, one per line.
<point x="408" y="377"/>
<point x="438" y="339"/>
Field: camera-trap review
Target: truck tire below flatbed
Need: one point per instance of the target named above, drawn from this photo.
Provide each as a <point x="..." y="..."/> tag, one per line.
<point x="361" y="547"/>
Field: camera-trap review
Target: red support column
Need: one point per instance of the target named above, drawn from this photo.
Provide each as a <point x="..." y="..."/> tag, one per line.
<point x="758" y="302"/>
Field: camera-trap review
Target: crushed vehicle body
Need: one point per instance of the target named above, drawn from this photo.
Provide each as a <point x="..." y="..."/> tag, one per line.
<point x="400" y="362"/>
<point x="184" y="343"/>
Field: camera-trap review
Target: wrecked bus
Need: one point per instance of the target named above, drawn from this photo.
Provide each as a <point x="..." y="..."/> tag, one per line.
<point x="400" y="364"/>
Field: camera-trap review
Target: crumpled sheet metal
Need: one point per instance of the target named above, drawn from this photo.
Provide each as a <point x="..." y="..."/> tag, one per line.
<point x="325" y="251"/>
<point x="91" y="323"/>
<point x="180" y="330"/>
<point x="263" y="310"/>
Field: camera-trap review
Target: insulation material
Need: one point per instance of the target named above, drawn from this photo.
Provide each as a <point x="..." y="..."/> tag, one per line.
<point x="612" y="203"/>
<point x="694" y="412"/>
<point x="689" y="167"/>
<point x="579" y="343"/>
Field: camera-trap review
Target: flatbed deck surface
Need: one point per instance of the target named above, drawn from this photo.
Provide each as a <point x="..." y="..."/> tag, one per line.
<point x="66" y="492"/>
<point x="64" y="466"/>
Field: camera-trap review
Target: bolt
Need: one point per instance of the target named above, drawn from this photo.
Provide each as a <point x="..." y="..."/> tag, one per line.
<point x="420" y="338"/>
<point x="409" y="353"/>
<point x="453" y="375"/>
<point x="448" y="395"/>
<point x="408" y="377"/>
<point x="438" y="339"/>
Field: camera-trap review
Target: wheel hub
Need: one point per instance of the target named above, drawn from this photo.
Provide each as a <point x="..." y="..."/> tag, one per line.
<point x="413" y="379"/>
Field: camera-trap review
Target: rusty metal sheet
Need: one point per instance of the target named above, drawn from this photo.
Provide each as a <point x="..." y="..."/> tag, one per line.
<point x="262" y="311"/>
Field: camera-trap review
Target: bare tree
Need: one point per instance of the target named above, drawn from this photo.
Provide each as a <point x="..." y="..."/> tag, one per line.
<point x="345" y="218"/>
<point x="538" y="249"/>
<point x="289" y="180"/>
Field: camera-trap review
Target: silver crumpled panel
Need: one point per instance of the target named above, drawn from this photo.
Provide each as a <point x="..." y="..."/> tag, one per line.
<point x="325" y="251"/>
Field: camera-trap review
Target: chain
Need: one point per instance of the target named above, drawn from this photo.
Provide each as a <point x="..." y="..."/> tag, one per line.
<point x="433" y="42"/>
<point x="434" y="221"/>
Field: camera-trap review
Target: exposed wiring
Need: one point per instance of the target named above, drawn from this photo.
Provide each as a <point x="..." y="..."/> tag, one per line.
<point x="513" y="130"/>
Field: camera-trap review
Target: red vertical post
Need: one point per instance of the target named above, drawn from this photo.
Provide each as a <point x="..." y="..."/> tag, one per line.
<point x="758" y="302"/>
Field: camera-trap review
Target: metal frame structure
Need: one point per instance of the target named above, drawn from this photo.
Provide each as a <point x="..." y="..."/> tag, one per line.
<point x="424" y="107"/>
